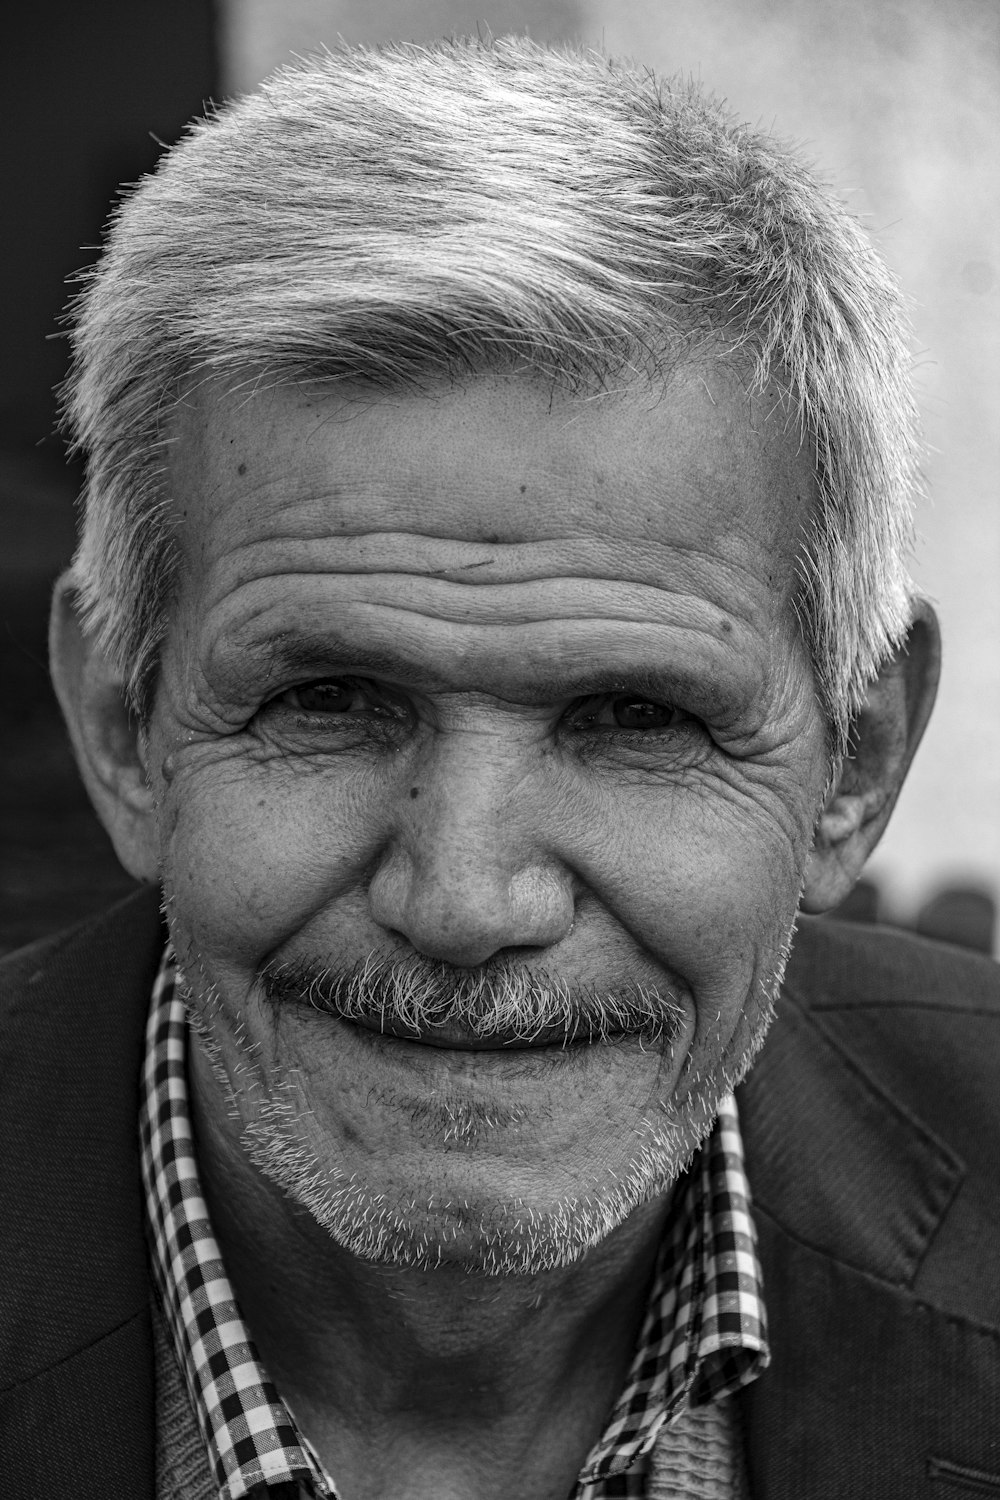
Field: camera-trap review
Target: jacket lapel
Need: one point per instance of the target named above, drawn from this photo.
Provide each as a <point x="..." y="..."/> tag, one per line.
<point x="869" y="1387"/>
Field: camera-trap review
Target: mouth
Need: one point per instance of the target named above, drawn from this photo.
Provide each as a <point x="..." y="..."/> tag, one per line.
<point x="452" y="1036"/>
<point x="506" y="1010"/>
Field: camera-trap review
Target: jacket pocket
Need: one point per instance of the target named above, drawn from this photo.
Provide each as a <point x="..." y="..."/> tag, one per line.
<point x="959" y="1479"/>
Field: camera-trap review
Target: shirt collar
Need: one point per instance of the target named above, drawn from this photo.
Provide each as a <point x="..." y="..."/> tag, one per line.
<point x="703" y="1336"/>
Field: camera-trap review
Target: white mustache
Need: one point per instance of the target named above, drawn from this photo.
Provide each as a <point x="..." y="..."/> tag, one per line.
<point x="499" y="1002"/>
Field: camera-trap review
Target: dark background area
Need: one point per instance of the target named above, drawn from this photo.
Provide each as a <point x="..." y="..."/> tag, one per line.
<point x="90" y="92"/>
<point x="85" y="89"/>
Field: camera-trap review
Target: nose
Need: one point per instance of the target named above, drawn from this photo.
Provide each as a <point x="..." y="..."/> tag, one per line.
<point x="466" y="874"/>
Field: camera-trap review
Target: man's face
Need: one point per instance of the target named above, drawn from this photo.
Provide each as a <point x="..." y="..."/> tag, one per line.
<point x="498" y="685"/>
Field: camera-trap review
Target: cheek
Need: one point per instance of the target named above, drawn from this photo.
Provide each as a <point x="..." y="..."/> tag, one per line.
<point x="250" y="853"/>
<point x="707" y="882"/>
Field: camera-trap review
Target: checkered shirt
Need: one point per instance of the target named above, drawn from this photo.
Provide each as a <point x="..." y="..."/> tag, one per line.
<point x="703" y="1336"/>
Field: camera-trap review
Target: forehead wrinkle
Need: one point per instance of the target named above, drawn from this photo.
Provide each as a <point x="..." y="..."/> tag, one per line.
<point x="311" y="516"/>
<point x="546" y="600"/>
<point x="456" y="581"/>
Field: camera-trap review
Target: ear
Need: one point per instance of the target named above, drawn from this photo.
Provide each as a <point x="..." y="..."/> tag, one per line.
<point x="886" y="735"/>
<point x="106" y="737"/>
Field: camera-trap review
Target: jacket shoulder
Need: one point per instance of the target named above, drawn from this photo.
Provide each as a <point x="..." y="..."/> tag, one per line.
<point x="135" y="915"/>
<point x="850" y="966"/>
<point x="115" y="945"/>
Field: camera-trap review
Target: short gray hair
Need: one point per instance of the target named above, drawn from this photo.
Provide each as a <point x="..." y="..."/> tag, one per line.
<point x="387" y="215"/>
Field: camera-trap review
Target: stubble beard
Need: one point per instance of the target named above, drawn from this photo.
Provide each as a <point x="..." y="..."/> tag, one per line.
<point x="515" y="1238"/>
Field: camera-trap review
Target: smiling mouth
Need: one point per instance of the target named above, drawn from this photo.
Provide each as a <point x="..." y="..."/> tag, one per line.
<point x="498" y="1010"/>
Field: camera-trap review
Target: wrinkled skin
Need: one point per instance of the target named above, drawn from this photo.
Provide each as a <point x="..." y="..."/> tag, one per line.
<point x="496" y="573"/>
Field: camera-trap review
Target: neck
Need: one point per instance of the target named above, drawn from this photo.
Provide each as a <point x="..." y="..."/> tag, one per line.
<point x="468" y="1384"/>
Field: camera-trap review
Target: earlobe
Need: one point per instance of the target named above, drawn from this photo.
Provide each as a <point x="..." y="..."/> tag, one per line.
<point x="106" y="738"/>
<point x="887" y="733"/>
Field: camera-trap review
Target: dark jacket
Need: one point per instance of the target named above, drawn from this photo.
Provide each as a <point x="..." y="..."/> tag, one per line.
<point x="872" y="1131"/>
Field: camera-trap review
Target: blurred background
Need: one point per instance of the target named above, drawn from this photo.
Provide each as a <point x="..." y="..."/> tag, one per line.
<point x="898" y="100"/>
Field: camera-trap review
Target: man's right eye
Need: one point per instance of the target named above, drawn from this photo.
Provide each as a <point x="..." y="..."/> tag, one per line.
<point x="331" y="695"/>
<point x="334" y="697"/>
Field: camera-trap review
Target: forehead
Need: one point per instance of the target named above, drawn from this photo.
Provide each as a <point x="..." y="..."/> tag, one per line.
<point x="699" y="465"/>
<point x="496" y="537"/>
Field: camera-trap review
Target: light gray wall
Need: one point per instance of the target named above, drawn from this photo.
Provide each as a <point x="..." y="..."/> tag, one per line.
<point x="898" y="100"/>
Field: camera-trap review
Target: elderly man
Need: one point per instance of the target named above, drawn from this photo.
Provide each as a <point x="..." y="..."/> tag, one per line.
<point x="489" y="628"/>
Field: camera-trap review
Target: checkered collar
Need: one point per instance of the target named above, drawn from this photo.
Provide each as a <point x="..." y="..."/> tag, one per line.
<point x="703" y="1336"/>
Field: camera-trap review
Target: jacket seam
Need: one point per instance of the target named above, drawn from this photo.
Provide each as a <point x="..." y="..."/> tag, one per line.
<point x="963" y="1324"/>
<point x="835" y="1007"/>
<point x="874" y="1085"/>
<point x="68" y="1358"/>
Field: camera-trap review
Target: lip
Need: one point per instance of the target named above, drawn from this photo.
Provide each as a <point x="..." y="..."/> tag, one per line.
<point x="452" y="1037"/>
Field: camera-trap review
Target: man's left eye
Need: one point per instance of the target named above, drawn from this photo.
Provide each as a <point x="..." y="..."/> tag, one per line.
<point x="626" y="711"/>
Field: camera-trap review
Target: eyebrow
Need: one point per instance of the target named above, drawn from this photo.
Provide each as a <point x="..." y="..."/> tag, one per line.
<point x="295" y="651"/>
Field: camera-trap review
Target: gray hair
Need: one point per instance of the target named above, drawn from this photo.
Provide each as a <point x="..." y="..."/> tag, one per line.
<point x="383" y="216"/>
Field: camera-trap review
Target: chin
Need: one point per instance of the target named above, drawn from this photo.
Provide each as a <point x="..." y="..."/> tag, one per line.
<point x="475" y="1233"/>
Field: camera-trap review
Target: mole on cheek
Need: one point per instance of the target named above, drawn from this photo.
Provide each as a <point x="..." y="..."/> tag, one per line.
<point x="168" y="768"/>
<point x="414" y="791"/>
<point x="241" y="468"/>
